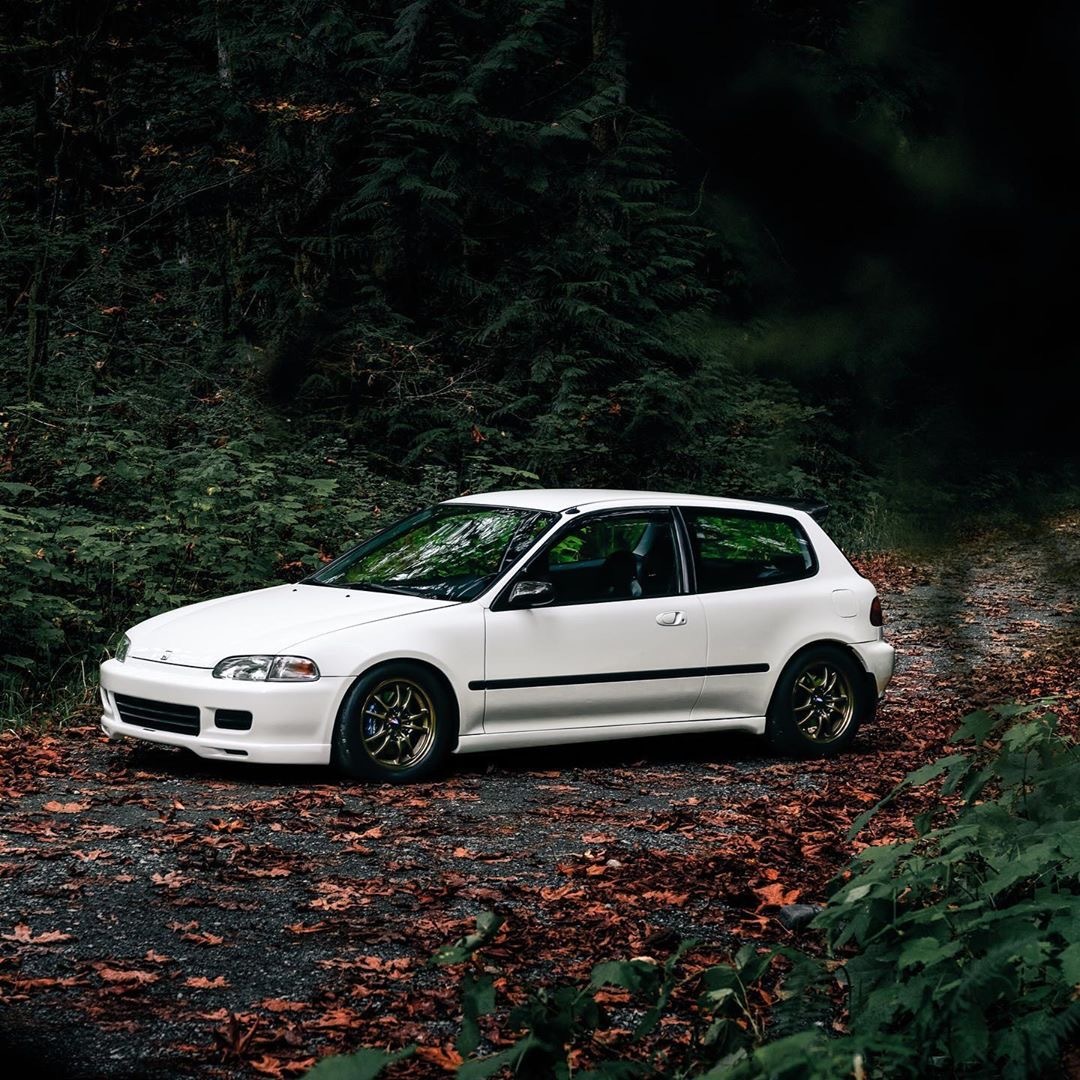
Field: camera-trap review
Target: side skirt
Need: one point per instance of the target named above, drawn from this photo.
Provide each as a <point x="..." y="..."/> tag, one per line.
<point x="509" y="740"/>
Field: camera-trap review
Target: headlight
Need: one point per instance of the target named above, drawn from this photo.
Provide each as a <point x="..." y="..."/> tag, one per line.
<point x="267" y="668"/>
<point x="122" y="649"/>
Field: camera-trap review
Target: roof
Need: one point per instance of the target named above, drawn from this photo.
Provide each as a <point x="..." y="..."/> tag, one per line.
<point x="559" y="499"/>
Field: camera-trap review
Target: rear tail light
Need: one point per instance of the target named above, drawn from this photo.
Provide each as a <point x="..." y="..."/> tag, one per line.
<point x="876" y="618"/>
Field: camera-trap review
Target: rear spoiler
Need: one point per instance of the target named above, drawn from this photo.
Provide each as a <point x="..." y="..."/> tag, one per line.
<point x="816" y="508"/>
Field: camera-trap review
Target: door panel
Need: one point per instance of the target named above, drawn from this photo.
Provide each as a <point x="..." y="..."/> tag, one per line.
<point x="601" y="663"/>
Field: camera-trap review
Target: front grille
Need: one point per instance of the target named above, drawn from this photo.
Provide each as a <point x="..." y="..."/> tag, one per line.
<point x="160" y="715"/>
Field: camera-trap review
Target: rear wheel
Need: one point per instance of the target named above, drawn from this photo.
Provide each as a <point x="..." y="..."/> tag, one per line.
<point x="819" y="701"/>
<point x="397" y="725"/>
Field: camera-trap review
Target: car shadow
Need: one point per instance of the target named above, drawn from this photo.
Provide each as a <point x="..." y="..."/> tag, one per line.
<point x="653" y="751"/>
<point x="690" y="751"/>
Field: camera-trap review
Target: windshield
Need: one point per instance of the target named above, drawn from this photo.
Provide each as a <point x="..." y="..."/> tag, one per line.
<point x="446" y="553"/>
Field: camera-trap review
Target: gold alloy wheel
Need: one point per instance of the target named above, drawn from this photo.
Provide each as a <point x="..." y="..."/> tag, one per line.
<point x="822" y="702"/>
<point x="398" y="723"/>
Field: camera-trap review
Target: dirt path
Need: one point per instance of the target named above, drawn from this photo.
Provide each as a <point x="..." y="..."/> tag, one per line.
<point x="167" y="917"/>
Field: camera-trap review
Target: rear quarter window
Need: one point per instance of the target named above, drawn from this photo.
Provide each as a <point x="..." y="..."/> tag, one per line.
<point x="737" y="550"/>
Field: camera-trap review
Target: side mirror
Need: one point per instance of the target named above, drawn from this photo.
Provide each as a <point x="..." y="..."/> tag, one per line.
<point x="530" y="594"/>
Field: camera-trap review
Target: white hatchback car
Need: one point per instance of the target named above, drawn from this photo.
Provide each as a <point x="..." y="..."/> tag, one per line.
<point x="520" y="618"/>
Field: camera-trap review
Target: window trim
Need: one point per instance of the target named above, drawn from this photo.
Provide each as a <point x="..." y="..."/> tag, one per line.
<point x="682" y="565"/>
<point x="760" y="515"/>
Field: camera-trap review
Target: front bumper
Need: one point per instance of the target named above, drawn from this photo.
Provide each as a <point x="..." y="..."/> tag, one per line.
<point x="292" y="723"/>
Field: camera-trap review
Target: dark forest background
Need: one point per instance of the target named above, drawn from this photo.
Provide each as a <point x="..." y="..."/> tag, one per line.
<point x="274" y="272"/>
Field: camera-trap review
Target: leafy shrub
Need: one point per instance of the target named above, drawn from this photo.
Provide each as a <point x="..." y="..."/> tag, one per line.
<point x="968" y="937"/>
<point x="111" y="522"/>
<point x="960" y="949"/>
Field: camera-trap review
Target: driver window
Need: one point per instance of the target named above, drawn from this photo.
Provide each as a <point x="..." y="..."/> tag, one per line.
<point x="611" y="557"/>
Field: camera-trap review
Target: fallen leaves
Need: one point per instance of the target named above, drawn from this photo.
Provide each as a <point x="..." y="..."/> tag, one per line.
<point x="268" y="1065"/>
<point x="91" y="856"/>
<point x="203" y="937"/>
<point x="22" y="987"/>
<point x="446" y="1057"/>
<point x="125" y="976"/>
<point x="481" y="856"/>
<point x="306" y="928"/>
<point x="281" y="1005"/>
<point x="394" y="969"/>
<point x="236" y="1034"/>
<point x="335" y="1018"/>
<point x="776" y="895"/>
<point x="65" y="808"/>
<point x="25" y="936"/>
<point x="201" y="982"/>
<point x="189" y="931"/>
<point x="664" y="897"/>
<point x="172" y="879"/>
<point x="236" y="825"/>
<point x="337" y="897"/>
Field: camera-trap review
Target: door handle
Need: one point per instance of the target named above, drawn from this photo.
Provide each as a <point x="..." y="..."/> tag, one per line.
<point x="671" y="618"/>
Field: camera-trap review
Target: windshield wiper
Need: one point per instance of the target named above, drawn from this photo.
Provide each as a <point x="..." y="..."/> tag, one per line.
<point x="364" y="586"/>
<point x="427" y="592"/>
<point x="373" y="586"/>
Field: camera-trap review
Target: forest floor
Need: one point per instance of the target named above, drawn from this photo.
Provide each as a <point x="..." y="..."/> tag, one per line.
<point x="165" y="916"/>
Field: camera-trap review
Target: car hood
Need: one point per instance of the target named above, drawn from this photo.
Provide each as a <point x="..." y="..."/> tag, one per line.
<point x="276" y="620"/>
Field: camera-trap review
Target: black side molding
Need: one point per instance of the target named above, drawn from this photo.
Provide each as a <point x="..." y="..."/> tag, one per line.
<point x="615" y="676"/>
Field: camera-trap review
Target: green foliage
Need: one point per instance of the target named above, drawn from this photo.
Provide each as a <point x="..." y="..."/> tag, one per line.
<point x="654" y="982"/>
<point x="363" y="1065"/>
<point x="487" y="926"/>
<point x="113" y="528"/>
<point x="960" y="949"/>
<point x="967" y="936"/>
<point x="540" y="206"/>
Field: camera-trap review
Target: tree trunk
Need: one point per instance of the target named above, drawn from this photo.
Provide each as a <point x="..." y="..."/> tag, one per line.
<point x="609" y="70"/>
<point x="224" y="63"/>
<point x="46" y="192"/>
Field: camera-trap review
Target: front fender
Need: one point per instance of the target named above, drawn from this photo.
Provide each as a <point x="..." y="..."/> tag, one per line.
<point x="449" y="639"/>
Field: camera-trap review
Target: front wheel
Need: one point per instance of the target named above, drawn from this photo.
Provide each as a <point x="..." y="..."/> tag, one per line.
<point x="397" y="724"/>
<point x="819" y="701"/>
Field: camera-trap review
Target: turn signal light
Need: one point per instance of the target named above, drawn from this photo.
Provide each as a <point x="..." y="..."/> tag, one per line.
<point x="876" y="618"/>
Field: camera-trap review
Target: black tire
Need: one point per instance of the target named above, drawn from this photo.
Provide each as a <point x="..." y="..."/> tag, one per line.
<point x="394" y="699"/>
<point x="818" y="704"/>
